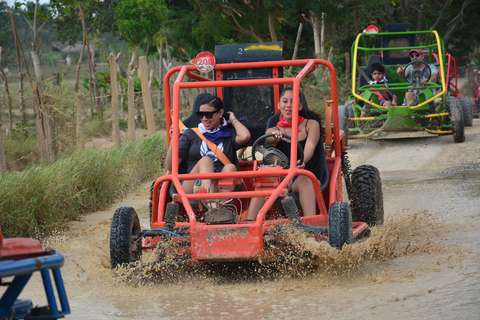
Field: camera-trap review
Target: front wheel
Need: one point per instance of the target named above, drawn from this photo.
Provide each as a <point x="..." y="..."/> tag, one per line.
<point x="367" y="196"/>
<point x="340" y="228"/>
<point x="456" y="115"/>
<point x="125" y="247"/>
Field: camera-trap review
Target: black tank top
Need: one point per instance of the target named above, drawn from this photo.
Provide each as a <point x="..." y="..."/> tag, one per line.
<point x="318" y="161"/>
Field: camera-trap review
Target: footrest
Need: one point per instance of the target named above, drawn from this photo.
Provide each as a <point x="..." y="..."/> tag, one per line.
<point x="22" y="308"/>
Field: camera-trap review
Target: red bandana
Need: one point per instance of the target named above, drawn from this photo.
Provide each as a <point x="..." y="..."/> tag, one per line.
<point x="285" y="123"/>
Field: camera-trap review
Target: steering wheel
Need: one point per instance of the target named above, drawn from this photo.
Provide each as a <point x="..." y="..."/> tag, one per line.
<point x="272" y="156"/>
<point x="418" y="74"/>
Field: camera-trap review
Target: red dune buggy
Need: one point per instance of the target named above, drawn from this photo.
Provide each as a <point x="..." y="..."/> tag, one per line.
<point x="249" y="79"/>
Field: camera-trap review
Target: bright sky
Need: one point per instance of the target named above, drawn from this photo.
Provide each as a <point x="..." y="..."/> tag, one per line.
<point x="11" y="2"/>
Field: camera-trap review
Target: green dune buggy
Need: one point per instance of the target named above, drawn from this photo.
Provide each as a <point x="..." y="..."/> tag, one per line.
<point x="433" y="111"/>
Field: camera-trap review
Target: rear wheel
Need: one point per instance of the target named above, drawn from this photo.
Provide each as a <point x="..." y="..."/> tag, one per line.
<point x="340" y="229"/>
<point x="151" y="198"/>
<point x="124" y="233"/>
<point x="367" y="196"/>
<point x="456" y="115"/>
<point x="467" y="107"/>
<point x="344" y="112"/>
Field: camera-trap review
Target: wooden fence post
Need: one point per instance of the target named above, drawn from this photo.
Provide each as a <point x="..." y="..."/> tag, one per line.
<point x="114" y="91"/>
<point x="81" y="98"/>
<point x="131" y="109"/>
<point x="43" y="124"/>
<point x="147" y="101"/>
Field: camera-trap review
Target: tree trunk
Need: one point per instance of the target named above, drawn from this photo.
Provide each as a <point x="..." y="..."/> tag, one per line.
<point x="348" y="65"/>
<point x="98" y="99"/>
<point x="20" y="77"/>
<point x="3" y="82"/>
<point x="90" y="82"/>
<point x="36" y="46"/>
<point x="114" y="89"/>
<point x="147" y="101"/>
<point x="5" y="87"/>
<point x="81" y="98"/>
<point x="322" y="37"/>
<point x="271" y="27"/>
<point x="326" y="74"/>
<point x="3" y="161"/>
<point x="79" y="65"/>
<point x="122" y="89"/>
<point x="20" y="92"/>
<point x="44" y="125"/>
<point x="132" y="68"/>
<point x="297" y="41"/>
<point x="160" y="76"/>
<point x="316" y="35"/>
<point x="453" y="24"/>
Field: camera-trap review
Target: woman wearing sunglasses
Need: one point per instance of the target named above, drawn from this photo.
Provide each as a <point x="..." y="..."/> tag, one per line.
<point x="227" y="135"/>
<point x="417" y="55"/>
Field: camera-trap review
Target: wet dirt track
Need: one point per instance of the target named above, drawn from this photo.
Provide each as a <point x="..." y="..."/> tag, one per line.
<point x="424" y="263"/>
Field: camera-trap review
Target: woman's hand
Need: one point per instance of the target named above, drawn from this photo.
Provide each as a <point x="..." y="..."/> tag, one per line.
<point x="300" y="165"/>
<point x="277" y="133"/>
<point x="231" y="117"/>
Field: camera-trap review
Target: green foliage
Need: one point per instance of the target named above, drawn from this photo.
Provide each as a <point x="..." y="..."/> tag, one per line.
<point x="139" y="20"/>
<point x="42" y="199"/>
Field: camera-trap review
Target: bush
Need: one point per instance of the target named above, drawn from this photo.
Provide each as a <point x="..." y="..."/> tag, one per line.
<point x="42" y="199"/>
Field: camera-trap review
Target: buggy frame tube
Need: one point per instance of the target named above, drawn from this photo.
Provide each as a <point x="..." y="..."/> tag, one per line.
<point x="308" y="67"/>
<point x="355" y="56"/>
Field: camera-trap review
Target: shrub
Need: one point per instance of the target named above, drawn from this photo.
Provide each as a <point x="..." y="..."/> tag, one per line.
<point x="42" y="199"/>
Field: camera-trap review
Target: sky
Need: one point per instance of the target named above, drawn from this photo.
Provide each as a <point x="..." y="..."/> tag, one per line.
<point x="11" y="2"/>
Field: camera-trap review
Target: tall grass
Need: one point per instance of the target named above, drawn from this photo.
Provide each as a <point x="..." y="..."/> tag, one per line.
<point x="41" y="199"/>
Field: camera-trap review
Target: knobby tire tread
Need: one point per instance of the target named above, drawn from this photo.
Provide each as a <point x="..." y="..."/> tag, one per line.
<point x="124" y="222"/>
<point x="367" y="195"/>
<point x="340" y="229"/>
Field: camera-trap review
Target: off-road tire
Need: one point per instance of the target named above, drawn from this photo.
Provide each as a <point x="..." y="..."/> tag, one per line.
<point x="151" y="199"/>
<point x="476" y="111"/>
<point x="124" y="232"/>
<point x="344" y="112"/>
<point x="467" y="106"/>
<point x="367" y="196"/>
<point x="456" y="116"/>
<point x="340" y="228"/>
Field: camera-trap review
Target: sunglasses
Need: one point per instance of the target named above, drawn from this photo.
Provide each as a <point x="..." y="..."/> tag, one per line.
<point x="206" y="114"/>
<point x="413" y="55"/>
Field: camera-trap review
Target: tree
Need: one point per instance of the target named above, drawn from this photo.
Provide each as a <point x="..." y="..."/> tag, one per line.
<point x="138" y="22"/>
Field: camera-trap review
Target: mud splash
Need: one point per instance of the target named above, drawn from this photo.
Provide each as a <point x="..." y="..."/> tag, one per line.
<point x="421" y="233"/>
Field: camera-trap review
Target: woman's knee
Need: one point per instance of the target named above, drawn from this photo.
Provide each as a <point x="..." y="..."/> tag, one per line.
<point x="302" y="183"/>
<point x="205" y="164"/>
<point x="229" y="168"/>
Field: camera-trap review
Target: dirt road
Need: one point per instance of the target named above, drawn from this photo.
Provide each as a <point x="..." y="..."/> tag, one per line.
<point x="424" y="263"/>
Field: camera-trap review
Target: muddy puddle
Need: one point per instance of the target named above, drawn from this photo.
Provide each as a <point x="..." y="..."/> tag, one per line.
<point x="424" y="263"/>
<point x="416" y="258"/>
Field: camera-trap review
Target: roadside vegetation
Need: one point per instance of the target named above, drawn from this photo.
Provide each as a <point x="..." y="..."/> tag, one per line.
<point x="43" y="198"/>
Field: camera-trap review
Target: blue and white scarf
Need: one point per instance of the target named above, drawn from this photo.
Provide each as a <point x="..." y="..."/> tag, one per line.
<point x="216" y="135"/>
